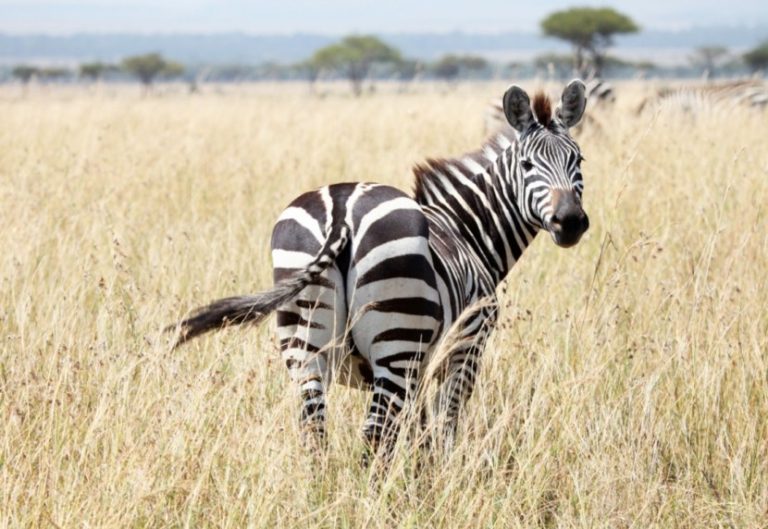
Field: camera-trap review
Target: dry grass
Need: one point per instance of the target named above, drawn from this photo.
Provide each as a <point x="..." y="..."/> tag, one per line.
<point x="626" y="387"/>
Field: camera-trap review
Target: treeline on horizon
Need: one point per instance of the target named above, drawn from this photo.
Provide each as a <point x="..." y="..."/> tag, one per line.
<point x="558" y="66"/>
<point x="448" y="68"/>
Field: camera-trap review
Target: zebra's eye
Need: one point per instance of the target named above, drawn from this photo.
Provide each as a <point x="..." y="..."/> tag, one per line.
<point x="526" y="165"/>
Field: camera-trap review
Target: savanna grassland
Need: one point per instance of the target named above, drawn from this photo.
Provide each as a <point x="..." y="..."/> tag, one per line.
<point x="627" y="385"/>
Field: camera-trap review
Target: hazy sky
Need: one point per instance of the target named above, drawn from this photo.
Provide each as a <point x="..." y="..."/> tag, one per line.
<point x="342" y="16"/>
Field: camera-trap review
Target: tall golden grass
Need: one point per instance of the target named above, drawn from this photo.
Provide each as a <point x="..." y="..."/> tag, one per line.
<point x="626" y="386"/>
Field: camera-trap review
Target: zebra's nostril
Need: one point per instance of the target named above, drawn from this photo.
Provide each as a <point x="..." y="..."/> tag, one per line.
<point x="568" y="227"/>
<point x="555" y="222"/>
<point x="570" y="222"/>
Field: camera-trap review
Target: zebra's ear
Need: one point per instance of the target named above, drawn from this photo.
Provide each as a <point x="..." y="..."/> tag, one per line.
<point x="517" y="108"/>
<point x="572" y="104"/>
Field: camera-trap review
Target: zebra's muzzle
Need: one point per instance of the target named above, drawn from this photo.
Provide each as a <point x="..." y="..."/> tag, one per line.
<point x="569" y="221"/>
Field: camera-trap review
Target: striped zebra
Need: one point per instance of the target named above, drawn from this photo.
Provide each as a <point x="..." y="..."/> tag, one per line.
<point x="600" y="93"/>
<point x="369" y="280"/>
<point x="709" y="96"/>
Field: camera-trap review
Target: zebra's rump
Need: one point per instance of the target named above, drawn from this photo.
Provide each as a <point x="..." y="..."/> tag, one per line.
<point x="379" y="294"/>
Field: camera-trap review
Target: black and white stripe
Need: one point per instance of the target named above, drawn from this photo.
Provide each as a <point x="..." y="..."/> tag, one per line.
<point x="600" y="92"/>
<point x="712" y="96"/>
<point x="368" y="279"/>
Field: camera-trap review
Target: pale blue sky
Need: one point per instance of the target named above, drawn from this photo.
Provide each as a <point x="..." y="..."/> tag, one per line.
<point x="343" y="16"/>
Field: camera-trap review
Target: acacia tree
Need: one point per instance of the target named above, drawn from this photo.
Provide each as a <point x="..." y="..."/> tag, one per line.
<point x="757" y="58"/>
<point x="148" y="67"/>
<point x="353" y="57"/>
<point x="590" y="31"/>
<point x="53" y="73"/>
<point x="449" y="67"/>
<point x="24" y="73"/>
<point x="708" y="58"/>
<point x="406" y="71"/>
<point x="94" y="71"/>
<point x="310" y="70"/>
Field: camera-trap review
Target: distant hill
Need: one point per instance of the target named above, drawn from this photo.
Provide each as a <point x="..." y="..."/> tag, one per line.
<point x="230" y="48"/>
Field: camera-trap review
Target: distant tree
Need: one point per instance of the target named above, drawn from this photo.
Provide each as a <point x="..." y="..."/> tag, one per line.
<point x="590" y="31"/>
<point x="646" y="65"/>
<point x="53" y="73"/>
<point x="643" y="68"/>
<point x="24" y="73"/>
<point x="709" y="58"/>
<point x="353" y="58"/>
<point x="231" y="73"/>
<point x="94" y="71"/>
<point x="757" y="58"/>
<point x="449" y="67"/>
<point x="472" y="63"/>
<point x="309" y="71"/>
<point x="406" y="71"/>
<point x="557" y="65"/>
<point x="150" y="66"/>
<point x="513" y="67"/>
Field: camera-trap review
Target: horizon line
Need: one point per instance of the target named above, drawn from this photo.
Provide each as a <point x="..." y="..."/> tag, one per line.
<point x="249" y="33"/>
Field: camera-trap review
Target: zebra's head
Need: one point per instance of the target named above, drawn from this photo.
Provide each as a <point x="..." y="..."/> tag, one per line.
<point x="547" y="166"/>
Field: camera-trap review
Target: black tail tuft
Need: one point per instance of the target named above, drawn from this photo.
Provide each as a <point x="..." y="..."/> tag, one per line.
<point x="220" y="313"/>
<point x="238" y="310"/>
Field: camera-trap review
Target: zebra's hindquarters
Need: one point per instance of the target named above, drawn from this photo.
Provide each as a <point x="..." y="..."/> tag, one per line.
<point x="382" y="285"/>
<point x="370" y="318"/>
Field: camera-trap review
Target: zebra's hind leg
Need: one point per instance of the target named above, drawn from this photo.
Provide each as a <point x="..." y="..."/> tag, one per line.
<point x="308" y="328"/>
<point x="308" y="367"/>
<point x="391" y="393"/>
<point x="394" y="335"/>
<point x="396" y="357"/>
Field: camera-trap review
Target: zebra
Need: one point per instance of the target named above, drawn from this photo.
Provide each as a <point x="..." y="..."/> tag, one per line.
<point x="600" y="93"/>
<point x="724" y="95"/>
<point x="368" y="280"/>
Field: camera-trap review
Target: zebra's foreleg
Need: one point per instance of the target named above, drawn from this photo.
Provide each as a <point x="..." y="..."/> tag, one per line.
<point x="455" y="392"/>
<point x="463" y="365"/>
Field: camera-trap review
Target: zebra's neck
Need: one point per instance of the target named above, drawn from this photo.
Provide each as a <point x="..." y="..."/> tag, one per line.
<point x="474" y="199"/>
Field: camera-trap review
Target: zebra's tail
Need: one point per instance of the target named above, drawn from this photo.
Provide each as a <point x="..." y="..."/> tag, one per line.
<point x="254" y="309"/>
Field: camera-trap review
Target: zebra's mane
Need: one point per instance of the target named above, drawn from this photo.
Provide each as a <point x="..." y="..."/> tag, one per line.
<point x="470" y="165"/>
<point x="477" y="163"/>
<point x="542" y="108"/>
